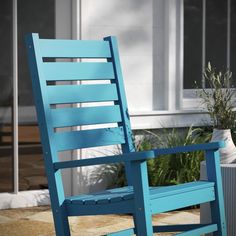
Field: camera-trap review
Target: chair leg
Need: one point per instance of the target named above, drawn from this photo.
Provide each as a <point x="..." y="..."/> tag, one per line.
<point x="143" y="223"/>
<point x="218" y="215"/>
<point x="142" y="214"/>
<point x="61" y="222"/>
<point x="217" y="206"/>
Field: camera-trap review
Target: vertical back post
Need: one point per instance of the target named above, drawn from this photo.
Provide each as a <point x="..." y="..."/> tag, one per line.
<point x="128" y="146"/>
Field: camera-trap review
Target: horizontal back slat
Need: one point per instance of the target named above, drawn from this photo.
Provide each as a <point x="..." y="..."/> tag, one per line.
<point x="88" y="138"/>
<point x="63" y="117"/>
<point x="61" y="71"/>
<point x="81" y="93"/>
<point x="74" y="49"/>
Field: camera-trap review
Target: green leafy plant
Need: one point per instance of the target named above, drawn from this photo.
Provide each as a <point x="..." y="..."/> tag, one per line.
<point x="164" y="170"/>
<point x="181" y="167"/>
<point x="218" y="98"/>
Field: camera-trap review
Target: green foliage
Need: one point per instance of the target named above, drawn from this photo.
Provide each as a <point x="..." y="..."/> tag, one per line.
<point x="219" y="97"/>
<point x="168" y="169"/>
<point x="180" y="167"/>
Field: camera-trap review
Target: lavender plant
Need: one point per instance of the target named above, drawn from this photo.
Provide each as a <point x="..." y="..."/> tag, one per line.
<point x="218" y="98"/>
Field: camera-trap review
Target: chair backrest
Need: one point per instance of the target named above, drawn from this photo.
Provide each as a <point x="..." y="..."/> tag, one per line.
<point x="54" y="84"/>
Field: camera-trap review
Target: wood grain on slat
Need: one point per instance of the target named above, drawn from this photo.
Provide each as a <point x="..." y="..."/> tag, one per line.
<point x="63" y="117"/>
<point x="63" y="94"/>
<point x="88" y="138"/>
<point x="74" y="48"/>
<point x="62" y="71"/>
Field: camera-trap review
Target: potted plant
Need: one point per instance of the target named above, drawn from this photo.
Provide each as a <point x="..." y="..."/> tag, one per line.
<point x="218" y="100"/>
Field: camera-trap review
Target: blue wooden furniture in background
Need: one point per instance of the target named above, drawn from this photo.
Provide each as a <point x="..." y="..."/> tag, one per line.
<point x="137" y="198"/>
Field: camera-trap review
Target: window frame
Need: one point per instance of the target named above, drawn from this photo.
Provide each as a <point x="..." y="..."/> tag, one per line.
<point x="190" y="100"/>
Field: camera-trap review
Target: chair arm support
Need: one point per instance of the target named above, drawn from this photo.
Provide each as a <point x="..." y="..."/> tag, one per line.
<point x="137" y="156"/>
<point x="179" y="149"/>
<point x="190" y="148"/>
<point x="126" y="157"/>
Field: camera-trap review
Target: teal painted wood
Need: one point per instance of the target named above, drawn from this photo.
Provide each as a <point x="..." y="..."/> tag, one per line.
<point x="62" y="71"/>
<point x="126" y="232"/>
<point x="217" y="207"/>
<point x="154" y="193"/>
<point x="200" y="231"/>
<point x="136" y="156"/>
<point x="128" y="146"/>
<point x="137" y="199"/>
<point x="189" y="148"/>
<point x="64" y="117"/>
<point x="142" y="214"/>
<point x="181" y="188"/>
<point x="173" y="228"/>
<point x="181" y="200"/>
<point x="122" y="207"/>
<point x="178" y="228"/>
<point x="54" y="179"/>
<point x="64" y="94"/>
<point x="104" y="197"/>
<point x="88" y="138"/>
<point x="74" y="49"/>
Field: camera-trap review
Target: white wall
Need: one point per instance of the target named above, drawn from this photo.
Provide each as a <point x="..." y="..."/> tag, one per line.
<point x="149" y="36"/>
<point x="131" y="22"/>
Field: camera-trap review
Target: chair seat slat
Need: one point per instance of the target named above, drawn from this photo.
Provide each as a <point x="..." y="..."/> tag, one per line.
<point x="164" y="191"/>
<point x="126" y="193"/>
<point x="88" y="138"/>
<point x="62" y="71"/>
<point x="63" y="94"/>
<point x="74" y="49"/>
<point x="63" y="117"/>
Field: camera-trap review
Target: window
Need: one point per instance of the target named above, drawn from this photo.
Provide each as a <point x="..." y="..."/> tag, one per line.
<point x="30" y="168"/>
<point x="209" y="35"/>
<point x="6" y="98"/>
<point x="192" y="42"/>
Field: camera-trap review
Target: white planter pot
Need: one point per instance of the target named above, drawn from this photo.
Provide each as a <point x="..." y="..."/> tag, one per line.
<point x="228" y="154"/>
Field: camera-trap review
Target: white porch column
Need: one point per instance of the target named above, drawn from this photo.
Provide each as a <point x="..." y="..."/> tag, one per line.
<point x="168" y="54"/>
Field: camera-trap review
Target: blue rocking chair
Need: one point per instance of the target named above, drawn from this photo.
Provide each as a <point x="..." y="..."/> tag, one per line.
<point x="137" y="199"/>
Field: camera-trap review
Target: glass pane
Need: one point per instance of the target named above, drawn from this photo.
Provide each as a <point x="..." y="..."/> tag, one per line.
<point x="233" y="39"/>
<point x="6" y="148"/>
<point x="216" y="33"/>
<point x="37" y="17"/>
<point x="192" y="43"/>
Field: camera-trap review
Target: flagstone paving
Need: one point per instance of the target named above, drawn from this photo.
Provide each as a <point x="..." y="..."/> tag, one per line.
<point x="38" y="221"/>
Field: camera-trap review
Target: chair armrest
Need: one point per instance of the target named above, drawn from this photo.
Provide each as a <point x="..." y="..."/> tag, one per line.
<point x="190" y="148"/>
<point x="137" y="156"/>
<point x="178" y="149"/>
<point x="126" y="157"/>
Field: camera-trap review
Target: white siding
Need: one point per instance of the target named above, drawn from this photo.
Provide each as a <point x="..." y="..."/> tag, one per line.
<point x="132" y="22"/>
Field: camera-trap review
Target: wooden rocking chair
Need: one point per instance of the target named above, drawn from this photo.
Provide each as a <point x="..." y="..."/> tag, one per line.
<point x="137" y="198"/>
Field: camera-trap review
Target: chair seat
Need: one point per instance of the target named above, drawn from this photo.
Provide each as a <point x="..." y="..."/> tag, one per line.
<point x="126" y="193"/>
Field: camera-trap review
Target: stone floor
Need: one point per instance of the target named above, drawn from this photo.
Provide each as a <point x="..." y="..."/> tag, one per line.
<point x="37" y="221"/>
